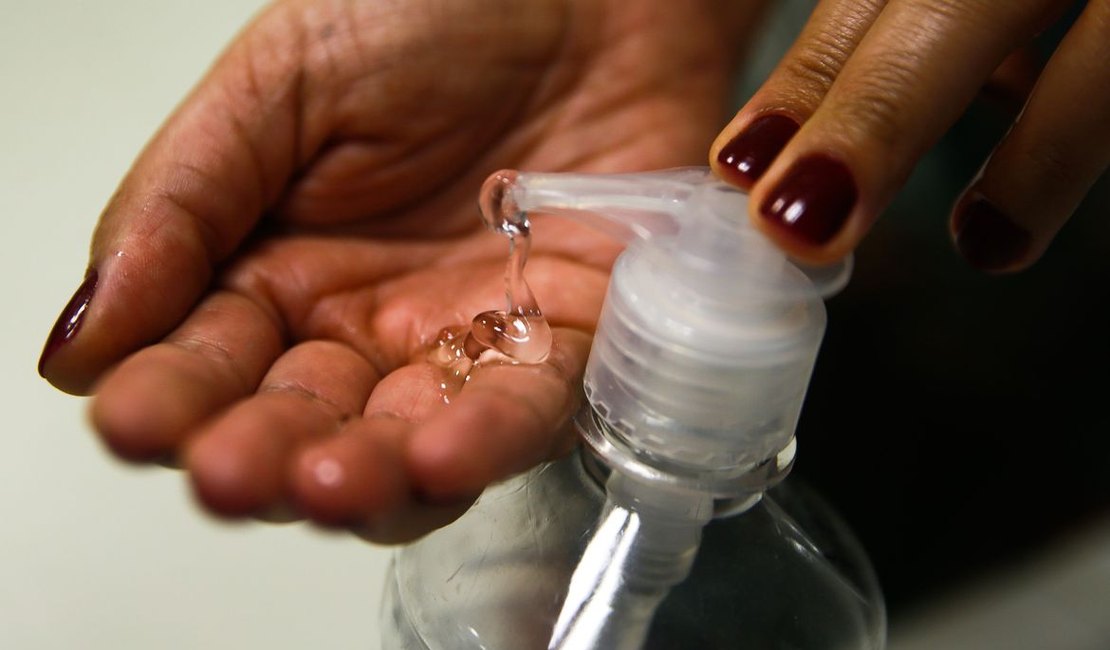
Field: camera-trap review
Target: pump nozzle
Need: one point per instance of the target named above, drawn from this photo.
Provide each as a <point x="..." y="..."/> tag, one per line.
<point x="709" y="332"/>
<point x="640" y="206"/>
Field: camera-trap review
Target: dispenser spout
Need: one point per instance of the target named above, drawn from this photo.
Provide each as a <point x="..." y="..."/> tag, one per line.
<point x="688" y="202"/>
<point x="625" y="206"/>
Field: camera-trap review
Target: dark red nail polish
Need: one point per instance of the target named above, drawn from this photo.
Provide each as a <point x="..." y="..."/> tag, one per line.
<point x="69" y="322"/>
<point x="812" y="200"/>
<point x="751" y="152"/>
<point x="987" y="238"/>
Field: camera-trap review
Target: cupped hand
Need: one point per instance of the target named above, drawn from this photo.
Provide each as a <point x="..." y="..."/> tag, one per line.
<point x="868" y="87"/>
<point x="266" y="283"/>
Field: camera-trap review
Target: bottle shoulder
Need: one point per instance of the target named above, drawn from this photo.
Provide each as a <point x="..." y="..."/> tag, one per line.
<point x="786" y="571"/>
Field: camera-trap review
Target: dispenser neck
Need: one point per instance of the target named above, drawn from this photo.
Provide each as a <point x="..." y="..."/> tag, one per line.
<point x="734" y="490"/>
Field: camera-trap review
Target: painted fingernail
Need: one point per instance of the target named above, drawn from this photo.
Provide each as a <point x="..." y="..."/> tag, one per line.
<point x="812" y="200"/>
<point x="750" y="153"/>
<point x="69" y="322"/>
<point x="987" y="238"/>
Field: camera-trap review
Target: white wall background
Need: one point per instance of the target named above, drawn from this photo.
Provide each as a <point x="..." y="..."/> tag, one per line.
<point x="95" y="554"/>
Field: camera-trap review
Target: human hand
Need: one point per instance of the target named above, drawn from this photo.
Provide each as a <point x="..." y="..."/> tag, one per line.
<point x="874" y="85"/>
<point x="266" y="283"/>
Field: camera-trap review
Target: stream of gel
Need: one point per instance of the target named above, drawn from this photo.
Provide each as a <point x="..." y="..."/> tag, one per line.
<point x="517" y="334"/>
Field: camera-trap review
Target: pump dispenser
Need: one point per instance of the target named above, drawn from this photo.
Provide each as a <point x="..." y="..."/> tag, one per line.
<point x="661" y="532"/>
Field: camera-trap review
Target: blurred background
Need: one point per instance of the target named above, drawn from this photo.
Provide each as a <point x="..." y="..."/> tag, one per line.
<point x="958" y="421"/>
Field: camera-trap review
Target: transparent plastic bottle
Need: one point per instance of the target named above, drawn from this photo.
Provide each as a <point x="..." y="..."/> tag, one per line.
<point x="669" y="528"/>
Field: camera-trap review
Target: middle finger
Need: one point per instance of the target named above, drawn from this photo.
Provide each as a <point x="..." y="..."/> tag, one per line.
<point x="917" y="68"/>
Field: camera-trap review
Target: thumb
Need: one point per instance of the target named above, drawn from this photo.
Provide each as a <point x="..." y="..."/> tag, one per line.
<point x="186" y="204"/>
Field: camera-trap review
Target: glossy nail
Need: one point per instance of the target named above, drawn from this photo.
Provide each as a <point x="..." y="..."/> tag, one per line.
<point x="69" y="322"/>
<point x="751" y="152"/>
<point x="812" y="200"/>
<point x="987" y="238"/>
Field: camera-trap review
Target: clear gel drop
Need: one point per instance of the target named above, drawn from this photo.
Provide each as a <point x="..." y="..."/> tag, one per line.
<point x="517" y="334"/>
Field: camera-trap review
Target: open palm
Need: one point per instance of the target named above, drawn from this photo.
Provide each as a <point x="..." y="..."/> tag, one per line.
<point x="269" y="277"/>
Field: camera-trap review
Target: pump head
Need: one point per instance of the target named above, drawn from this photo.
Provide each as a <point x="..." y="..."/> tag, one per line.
<point x="708" y="334"/>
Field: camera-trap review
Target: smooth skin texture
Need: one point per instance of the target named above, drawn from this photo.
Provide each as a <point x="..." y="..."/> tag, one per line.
<point x="873" y="84"/>
<point x="273" y="269"/>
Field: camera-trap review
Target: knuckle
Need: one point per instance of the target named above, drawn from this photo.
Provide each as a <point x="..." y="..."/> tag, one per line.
<point x="818" y="61"/>
<point x="947" y="9"/>
<point x="1052" y="164"/>
<point x="1099" y="11"/>
<point x="877" y="97"/>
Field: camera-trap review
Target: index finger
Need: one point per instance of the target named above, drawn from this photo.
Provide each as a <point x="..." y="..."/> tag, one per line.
<point x="188" y="201"/>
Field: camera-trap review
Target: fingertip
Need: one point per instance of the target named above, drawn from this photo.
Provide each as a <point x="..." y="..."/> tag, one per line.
<point x="410" y="524"/>
<point x="121" y="305"/>
<point x="235" y="472"/>
<point x="55" y="365"/>
<point x="348" y="480"/>
<point x="989" y="239"/>
<point x="810" y="207"/>
<point x="802" y="252"/>
<point x="743" y="158"/>
<point x="126" y="430"/>
<point x="142" y="414"/>
<point x="444" y="468"/>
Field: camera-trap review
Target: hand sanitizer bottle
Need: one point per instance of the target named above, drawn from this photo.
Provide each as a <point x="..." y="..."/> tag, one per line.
<point x="669" y="528"/>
